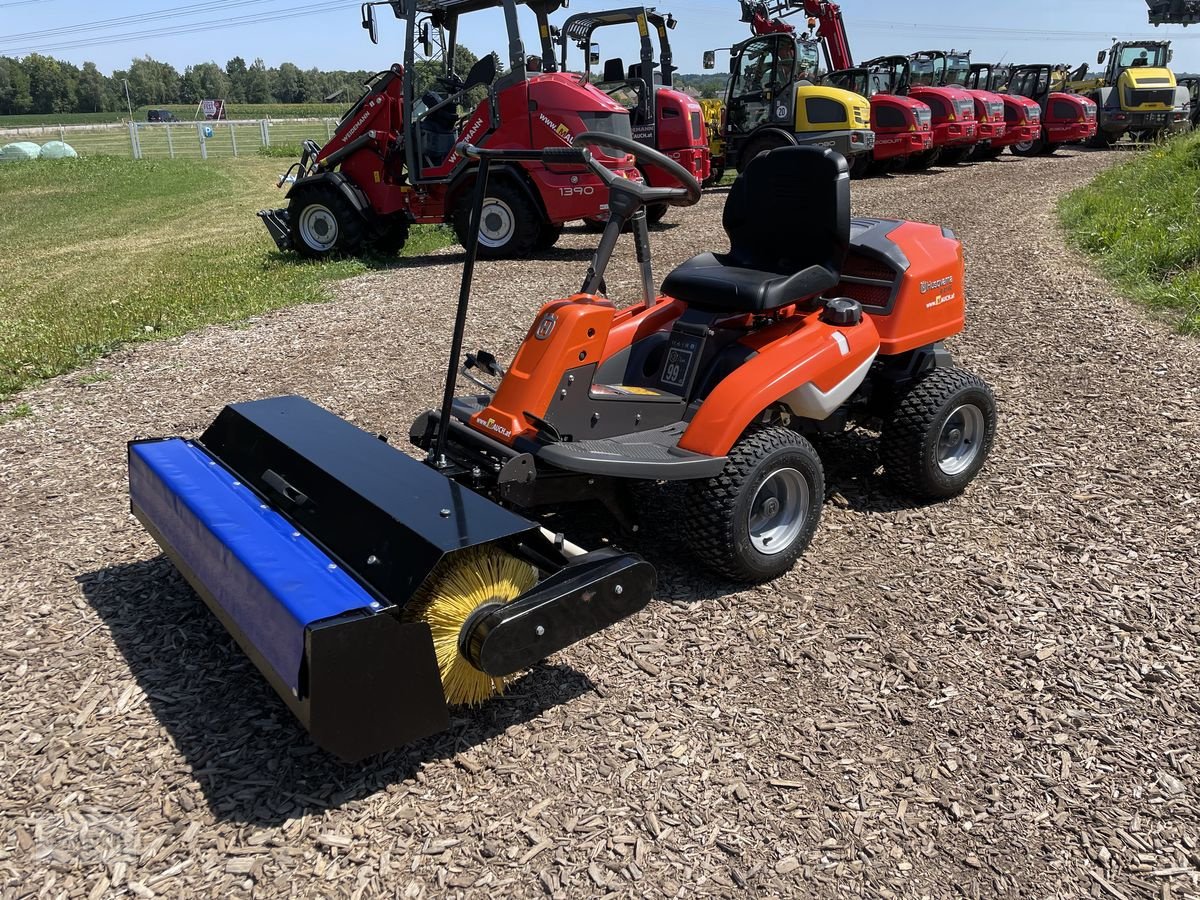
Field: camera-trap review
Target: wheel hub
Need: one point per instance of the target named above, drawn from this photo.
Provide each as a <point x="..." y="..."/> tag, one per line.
<point x="497" y="224"/>
<point x="778" y="511"/>
<point x="961" y="439"/>
<point x="318" y="227"/>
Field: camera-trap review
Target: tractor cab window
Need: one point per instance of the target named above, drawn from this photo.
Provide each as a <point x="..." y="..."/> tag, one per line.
<point x="1032" y="84"/>
<point x="958" y="68"/>
<point x="926" y="72"/>
<point x="1143" y="56"/>
<point x="764" y="70"/>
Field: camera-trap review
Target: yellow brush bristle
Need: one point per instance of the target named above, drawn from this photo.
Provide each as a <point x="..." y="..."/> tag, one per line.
<point x="457" y="587"/>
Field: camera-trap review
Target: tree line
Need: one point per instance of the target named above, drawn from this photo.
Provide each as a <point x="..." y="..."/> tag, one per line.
<point x="42" y="84"/>
<point x="37" y="84"/>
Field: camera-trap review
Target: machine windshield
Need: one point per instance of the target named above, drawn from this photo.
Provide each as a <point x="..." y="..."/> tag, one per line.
<point x="1151" y="56"/>
<point x="926" y="71"/>
<point x="958" y="67"/>
<point x="808" y="59"/>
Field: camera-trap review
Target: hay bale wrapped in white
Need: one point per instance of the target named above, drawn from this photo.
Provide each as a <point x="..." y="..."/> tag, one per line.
<point x="19" y="150"/>
<point x="58" y="150"/>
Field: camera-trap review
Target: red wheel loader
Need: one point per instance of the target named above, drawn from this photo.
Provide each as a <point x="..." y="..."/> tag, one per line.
<point x="392" y="162"/>
<point x="372" y="589"/>
<point x="1066" y="118"/>
<point x="668" y="120"/>
<point x="903" y="126"/>
<point x="1022" y="116"/>
<point x="953" y="69"/>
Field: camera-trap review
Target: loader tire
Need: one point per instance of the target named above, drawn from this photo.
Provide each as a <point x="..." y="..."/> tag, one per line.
<point x="1029" y="148"/>
<point x="656" y="212"/>
<point x="1100" y="141"/>
<point x="1050" y="149"/>
<point x="323" y="223"/>
<point x="548" y="236"/>
<point x="392" y="237"/>
<point x="939" y="433"/>
<point x="955" y="155"/>
<point x="511" y="222"/>
<point x="862" y="165"/>
<point x="919" y="162"/>
<point x="754" y="520"/>
<point x="763" y="144"/>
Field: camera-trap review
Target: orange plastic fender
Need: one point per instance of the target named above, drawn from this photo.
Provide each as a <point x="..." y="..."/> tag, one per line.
<point x="813" y="369"/>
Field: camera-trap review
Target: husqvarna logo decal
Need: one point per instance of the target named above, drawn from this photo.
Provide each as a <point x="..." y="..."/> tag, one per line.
<point x="927" y="286"/>
<point x="546" y="326"/>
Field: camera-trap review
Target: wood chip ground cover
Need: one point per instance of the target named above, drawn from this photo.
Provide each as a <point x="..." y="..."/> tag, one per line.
<point x="995" y="696"/>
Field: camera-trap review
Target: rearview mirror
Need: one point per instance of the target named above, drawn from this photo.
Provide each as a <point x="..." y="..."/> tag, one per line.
<point x="1101" y="56"/>
<point x="369" y="23"/>
<point x="426" y="39"/>
<point x="594" y="55"/>
<point x="671" y="21"/>
<point x="1170" y="55"/>
<point x="710" y="59"/>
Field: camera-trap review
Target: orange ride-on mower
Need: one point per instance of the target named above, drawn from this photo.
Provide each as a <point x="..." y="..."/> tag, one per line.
<point x="806" y="324"/>
<point x="373" y="590"/>
<point x="392" y="162"/>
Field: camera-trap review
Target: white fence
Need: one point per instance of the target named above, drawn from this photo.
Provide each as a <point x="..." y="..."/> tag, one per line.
<point x="179" y="140"/>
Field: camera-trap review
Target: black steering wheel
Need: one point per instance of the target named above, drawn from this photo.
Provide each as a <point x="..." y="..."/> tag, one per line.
<point x="687" y="194"/>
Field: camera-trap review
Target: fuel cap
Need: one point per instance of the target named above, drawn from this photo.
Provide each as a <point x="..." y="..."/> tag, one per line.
<point x="842" y="311"/>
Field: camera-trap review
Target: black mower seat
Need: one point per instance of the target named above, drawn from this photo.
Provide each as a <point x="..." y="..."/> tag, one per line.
<point x="788" y="221"/>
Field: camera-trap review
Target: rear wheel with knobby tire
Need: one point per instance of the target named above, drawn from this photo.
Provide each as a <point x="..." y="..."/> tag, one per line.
<point x="392" y="237"/>
<point x="510" y="226"/>
<point x="324" y="223"/>
<point x="754" y="520"/>
<point x="938" y="435"/>
<point x="757" y="147"/>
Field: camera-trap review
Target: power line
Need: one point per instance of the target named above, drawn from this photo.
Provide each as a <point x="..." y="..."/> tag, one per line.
<point x="102" y="24"/>
<point x="195" y="28"/>
<point x="21" y="3"/>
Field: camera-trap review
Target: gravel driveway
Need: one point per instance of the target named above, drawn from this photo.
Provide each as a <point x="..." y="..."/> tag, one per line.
<point x="995" y="696"/>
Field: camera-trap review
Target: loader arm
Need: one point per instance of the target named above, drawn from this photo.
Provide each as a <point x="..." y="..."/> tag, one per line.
<point x="832" y="32"/>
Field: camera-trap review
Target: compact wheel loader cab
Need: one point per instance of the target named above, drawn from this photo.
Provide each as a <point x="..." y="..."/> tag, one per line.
<point x="392" y="163"/>
<point x="374" y="591"/>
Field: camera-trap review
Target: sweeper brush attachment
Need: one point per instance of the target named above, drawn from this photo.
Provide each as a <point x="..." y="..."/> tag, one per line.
<point x="367" y="587"/>
<point x="458" y="589"/>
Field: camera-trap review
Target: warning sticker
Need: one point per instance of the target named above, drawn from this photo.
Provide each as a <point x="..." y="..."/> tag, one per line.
<point x="613" y="390"/>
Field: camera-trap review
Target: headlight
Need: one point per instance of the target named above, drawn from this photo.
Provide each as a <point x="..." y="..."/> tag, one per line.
<point x="965" y="107"/>
<point x="924" y="117"/>
<point x="1033" y="114"/>
<point x="996" y="108"/>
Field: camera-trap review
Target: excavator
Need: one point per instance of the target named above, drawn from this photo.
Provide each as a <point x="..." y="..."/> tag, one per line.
<point x="773" y="99"/>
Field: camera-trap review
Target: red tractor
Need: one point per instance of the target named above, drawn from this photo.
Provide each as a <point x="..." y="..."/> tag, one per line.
<point x="953" y="69"/>
<point x="1022" y="115"/>
<point x="668" y="120"/>
<point x="1066" y="118"/>
<point x="392" y="162"/>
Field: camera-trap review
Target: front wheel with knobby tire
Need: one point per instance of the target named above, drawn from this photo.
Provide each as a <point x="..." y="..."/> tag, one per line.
<point x="1028" y="148"/>
<point x="939" y="434"/>
<point x="754" y="520"/>
<point x="324" y="223"/>
<point x="391" y="237"/>
<point x="510" y="227"/>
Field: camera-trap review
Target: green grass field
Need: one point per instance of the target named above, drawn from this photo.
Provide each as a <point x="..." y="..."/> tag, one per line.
<point x="1141" y="221"/>
<point x="185" y="114"/>
<point x="102" y="251"/>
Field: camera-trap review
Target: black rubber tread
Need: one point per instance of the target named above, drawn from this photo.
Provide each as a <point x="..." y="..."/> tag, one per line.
<point x="656" y="212"/>
<point x="862" y="165"/>
<point x="351" y="226"/>
<point x="528" y="219"/>
<point x="716" y="508"/>
<point x="1035" y="148"/>
<point x="955" y="155"/>
<point x="1099" y="141"/>
<point x="1050" y="149"/>
<point x="920" y="161"/>
<point x="392" y="238"/>
<point x="548" y="236"/>
<point x="759" y="146"/>
<point x="908" y="443"/>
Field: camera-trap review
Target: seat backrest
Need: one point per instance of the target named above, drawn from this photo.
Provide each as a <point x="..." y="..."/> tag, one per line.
<point x="790" y="209"/>
<point x="614" y="70"/>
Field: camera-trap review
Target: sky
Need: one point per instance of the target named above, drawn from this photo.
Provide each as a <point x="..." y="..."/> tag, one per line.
<point x="327" y="34"/>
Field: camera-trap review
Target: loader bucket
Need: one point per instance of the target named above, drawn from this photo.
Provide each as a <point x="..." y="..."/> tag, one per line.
<point x="306" y="537"/>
